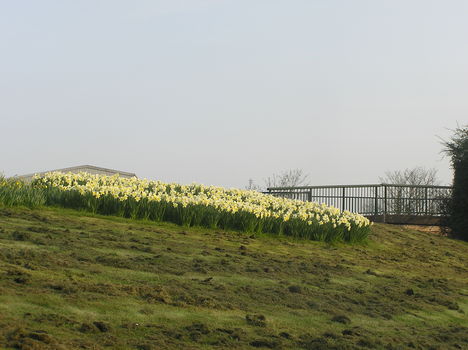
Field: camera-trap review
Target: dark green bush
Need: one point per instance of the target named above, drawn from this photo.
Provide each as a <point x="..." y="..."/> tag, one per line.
<point x="457" y="149"/>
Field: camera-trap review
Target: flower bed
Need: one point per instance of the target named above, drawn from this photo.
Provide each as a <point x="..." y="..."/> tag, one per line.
<point x="199" y="205"/>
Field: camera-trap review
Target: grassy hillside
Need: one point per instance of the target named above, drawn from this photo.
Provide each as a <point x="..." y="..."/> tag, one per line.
<point x="75" y="281"/>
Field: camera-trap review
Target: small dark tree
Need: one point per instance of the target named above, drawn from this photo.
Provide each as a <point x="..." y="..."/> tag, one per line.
<point x="457" y="149"/>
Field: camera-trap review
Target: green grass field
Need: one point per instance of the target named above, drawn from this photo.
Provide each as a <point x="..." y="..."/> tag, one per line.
<point x="70" y="280"/>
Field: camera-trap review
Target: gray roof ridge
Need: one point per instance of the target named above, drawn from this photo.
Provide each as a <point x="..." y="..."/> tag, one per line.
<point x="80" y="166"/>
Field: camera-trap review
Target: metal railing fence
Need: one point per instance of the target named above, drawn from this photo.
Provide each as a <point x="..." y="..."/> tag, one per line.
<point x="373" y="199"/>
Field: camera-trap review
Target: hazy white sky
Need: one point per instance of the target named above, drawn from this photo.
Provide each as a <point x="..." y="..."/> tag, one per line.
<point x="220" y="91"/>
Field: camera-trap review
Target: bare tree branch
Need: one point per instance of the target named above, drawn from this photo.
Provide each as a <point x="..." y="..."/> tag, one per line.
<point x="406" y="200"/>
<point x="288" y="178"/>
<point x="414" y="176"/>
<point x="252" y="186"/>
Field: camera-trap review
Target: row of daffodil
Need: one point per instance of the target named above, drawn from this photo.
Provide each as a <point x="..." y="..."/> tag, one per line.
<point x="201" y="205"/>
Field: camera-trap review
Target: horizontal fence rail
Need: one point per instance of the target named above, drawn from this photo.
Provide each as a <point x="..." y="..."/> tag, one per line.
<point x="377" y="201"/>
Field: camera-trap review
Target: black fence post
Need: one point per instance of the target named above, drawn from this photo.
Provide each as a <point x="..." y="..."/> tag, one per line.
<point x="426" y="211"/>
<point x="343" y="199"/>
<point x="376" y="203"/>
<point x="385" y="204"/>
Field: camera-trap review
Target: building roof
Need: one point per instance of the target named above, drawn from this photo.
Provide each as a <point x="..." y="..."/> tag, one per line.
<point x="83" y="168"/>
